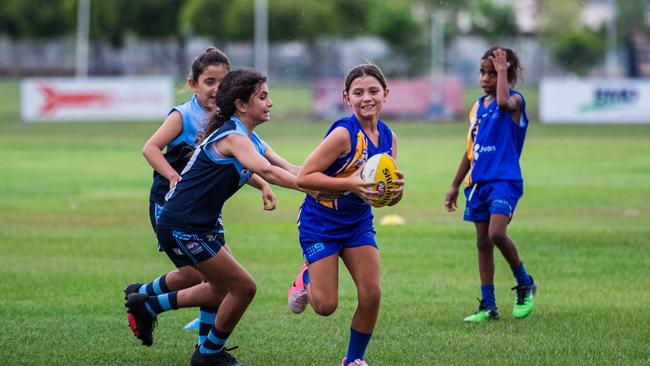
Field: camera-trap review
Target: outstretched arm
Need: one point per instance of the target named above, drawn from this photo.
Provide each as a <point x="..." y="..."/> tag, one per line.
<point x="242" y="149"/>
<point x="279" y="161"/>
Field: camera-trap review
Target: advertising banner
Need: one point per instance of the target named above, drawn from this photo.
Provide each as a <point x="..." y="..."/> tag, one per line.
<point x="408" y="98"/>
<point x="96" y="99"/>
<point x="594" y="101"/>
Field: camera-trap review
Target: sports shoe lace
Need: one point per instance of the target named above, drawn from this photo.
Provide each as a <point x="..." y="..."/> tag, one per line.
<point x="300" y="298"/>
<point x="521" y="294"/>
<point x="227" y="356"/>
<point x="481" y="306"/>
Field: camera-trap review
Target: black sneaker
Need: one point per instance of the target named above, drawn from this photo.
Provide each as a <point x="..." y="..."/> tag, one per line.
<point x="131" y="288"/>
<point x="222" y="358"/>
<point x="483" y="314"/>
<point x="143" y="322"/>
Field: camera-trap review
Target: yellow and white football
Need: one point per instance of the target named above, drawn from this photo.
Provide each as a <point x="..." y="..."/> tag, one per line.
<point x="380" y="168"/>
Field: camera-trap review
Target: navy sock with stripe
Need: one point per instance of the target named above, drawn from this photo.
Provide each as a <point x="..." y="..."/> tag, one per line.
<point x="214" y="342"/>
<point x="207" y="316"/>
<point x="162" y="303"/>
<point x="155" y="287"/>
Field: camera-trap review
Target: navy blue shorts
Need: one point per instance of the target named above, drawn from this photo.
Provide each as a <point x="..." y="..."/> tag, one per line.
<point x="187" y="247"/>
<point x="487" y="198"/>
<point x="155" y="208"/>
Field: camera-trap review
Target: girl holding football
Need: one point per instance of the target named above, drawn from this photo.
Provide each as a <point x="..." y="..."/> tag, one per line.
<point x="342" y="224"/>
<point x="494" y="184"/>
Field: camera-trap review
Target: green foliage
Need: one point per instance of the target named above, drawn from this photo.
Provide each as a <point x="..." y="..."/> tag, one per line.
<point x="579" y="50"/>
<point x="34" y="19"/>
<point x="287" y="20"/>
<point x="203" y="17"/>
<point x="493" y="21"/>
<point x="631" y="16"/>
<point x="573" y="46"/>
<point x="352" y="15"/>
<point x="107" y="20"/>
<point x="311" y="19"/>
<point x="394" y="22"/>
<point x="558" y="17"/>
<point x="153" y="18"/>
<point x="402" y="23"/>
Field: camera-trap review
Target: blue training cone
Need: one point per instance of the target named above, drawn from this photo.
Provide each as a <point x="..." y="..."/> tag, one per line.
<point x="193" y="325"/>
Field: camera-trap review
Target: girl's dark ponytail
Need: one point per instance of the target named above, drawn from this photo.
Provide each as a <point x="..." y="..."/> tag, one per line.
<point x="236" y="85"/>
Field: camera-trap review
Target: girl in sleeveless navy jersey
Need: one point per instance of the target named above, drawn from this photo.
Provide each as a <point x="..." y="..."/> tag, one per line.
<point x="341" y="225"/>
<point x="188" y="228"/>
<point x="490" y="166"/>
<point x="178" y="134"/>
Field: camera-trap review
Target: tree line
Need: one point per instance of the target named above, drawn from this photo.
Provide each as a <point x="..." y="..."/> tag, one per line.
<point x="403" y="24"/>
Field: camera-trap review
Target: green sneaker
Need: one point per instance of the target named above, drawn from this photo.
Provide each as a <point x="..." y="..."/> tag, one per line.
<point x="483" y="313"/>
<point x="524" y="301"/>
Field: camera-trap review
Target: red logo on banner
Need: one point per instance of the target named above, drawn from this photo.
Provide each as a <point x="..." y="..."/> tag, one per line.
<point x="55" y="99"/>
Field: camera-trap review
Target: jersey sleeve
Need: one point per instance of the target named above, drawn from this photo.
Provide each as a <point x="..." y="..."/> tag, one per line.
<point x="260" y="145"/>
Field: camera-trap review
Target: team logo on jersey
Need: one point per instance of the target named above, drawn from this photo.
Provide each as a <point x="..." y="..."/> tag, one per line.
<point x="194" y="247"/>
<point x="504" y="205"/>
<point x="478" y="150"/>
<point x="314" y="249"/>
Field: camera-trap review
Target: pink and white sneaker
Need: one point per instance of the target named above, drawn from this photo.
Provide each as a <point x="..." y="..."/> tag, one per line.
<point x="356" y="362"/>
<point x="297" y="295"/>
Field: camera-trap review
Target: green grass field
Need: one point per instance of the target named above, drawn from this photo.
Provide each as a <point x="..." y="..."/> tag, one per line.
<point x="74" y="230"/>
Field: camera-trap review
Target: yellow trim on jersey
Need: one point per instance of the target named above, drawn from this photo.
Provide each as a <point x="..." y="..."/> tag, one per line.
<point x="360" y="154"/>
<point x="470" y="141"/>
<point x="351" y="165"/>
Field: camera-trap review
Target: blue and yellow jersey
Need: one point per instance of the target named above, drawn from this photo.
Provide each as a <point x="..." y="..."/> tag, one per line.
<point x="361" y="149"/>
<point x="495" y="142"/>
<point x="334" y="219"/>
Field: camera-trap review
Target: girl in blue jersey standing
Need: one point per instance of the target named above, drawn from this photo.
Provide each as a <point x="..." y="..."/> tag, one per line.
<point x="493" y="178"/>
<point x="178" y="133"/>
<point x="342" y="226"/>
<point x="188" y="228"/>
